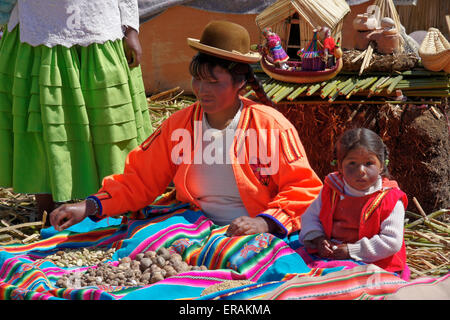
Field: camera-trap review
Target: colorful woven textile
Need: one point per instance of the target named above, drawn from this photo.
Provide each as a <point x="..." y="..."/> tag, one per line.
<point x="277" y="51"/>
<point x="275" y="265"/>
<point x="365" y="282"/>
<point x="257" y="258"/>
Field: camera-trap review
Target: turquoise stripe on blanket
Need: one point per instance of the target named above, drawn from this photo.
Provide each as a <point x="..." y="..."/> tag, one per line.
<point x="85" y="226"/>
<point x="264" y="259"/>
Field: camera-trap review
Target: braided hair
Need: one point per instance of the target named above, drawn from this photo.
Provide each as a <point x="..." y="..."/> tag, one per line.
<point x="202" y="66"/>
<point x="362" y="137"/>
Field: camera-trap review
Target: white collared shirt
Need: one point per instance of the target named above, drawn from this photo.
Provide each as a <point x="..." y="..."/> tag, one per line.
<point x="212" y="182"/>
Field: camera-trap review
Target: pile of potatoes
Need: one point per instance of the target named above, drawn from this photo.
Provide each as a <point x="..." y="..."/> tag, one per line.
<point x="145" y="269"/>
<point x="80" y="257"/>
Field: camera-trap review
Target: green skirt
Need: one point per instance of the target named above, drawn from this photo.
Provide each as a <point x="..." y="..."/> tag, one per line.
<point x="68" y="116"/>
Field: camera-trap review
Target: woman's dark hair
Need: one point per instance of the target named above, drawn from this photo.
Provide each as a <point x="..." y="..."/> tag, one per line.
<point x="202" y="66"/>
<point x="362" y="137"/>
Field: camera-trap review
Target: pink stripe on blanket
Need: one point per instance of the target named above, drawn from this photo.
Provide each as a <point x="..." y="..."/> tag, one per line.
<point x="311" y="263"/>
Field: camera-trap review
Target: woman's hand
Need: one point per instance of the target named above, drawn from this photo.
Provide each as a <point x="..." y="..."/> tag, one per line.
<point x="132" y="46"/>
<point x="67" y="215"/>
<point x="244" y="225"/>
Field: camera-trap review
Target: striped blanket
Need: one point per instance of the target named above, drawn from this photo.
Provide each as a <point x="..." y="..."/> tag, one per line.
<point x="279" y="268"/>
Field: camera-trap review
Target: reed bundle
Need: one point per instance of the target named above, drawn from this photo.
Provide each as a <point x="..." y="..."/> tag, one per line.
<point x="328" y="88"/>
<point x="312" y="89"/>
<point x="412" y="83"/>
<point x="163" y="104"/>
<point x="367" y="58"/>
<point x="18" y="218"/>
<point x="281" y="94"/>
<point x="427" y="244"/>
<point x="393" y="84"/>
<point x="361" y="55"/>
<point x="297" y="92"/>
<point x="361" y="86"/>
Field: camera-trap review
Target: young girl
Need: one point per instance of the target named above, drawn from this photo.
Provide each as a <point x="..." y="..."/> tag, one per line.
<point x="359" y="212"/>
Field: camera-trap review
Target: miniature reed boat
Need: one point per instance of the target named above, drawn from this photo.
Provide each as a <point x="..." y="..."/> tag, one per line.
<point x="295" y="74"/>
<point x="310" y="69"/>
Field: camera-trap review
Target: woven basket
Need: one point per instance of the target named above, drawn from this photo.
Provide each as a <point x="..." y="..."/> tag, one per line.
<point x="435" y="51"/>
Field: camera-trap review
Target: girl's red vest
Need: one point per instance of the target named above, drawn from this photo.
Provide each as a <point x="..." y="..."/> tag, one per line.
<point x="352" y="218"/>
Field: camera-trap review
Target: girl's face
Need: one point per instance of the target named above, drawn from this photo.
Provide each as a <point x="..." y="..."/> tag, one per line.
<point x="217" y="93"/>
<point x="360" y="168"/>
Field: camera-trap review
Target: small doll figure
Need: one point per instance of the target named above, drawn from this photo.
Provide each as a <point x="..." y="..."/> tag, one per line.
<point x="328" y="47"/>
<point x="273" y="42"/>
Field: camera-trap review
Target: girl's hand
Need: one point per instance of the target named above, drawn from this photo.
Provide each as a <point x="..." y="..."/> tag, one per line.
<point x="340" y="252"/>
<point x="67" y="215"/>
<point x="324" y="247"/>
<point x="242" y="226"/>
<point x="132" y="46"/>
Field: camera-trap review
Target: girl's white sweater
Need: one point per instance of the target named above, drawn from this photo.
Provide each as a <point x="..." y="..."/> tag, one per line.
<point x="380" y="246"/>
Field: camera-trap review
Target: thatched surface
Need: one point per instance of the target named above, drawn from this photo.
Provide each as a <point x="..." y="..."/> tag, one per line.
<point x="317" y="13"/>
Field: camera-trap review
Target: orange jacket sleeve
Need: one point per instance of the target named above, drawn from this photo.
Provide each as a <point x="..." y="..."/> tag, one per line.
<point x="147" y="173"/>
<point x="298" y="184"/>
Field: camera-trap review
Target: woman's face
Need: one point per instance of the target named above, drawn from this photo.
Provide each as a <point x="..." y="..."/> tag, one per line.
<point x="360" y="168"/>
<point x="217" y="93"/>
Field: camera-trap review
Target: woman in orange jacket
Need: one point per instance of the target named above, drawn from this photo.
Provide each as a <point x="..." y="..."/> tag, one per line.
<point x="240" y="161"/>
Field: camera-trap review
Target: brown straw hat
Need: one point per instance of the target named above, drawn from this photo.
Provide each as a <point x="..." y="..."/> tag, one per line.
<point x="226" y="40"/>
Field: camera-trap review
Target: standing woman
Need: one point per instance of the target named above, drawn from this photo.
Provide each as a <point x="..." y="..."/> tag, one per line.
<point x="72" y="99"/>
<point x="241" y="162"/>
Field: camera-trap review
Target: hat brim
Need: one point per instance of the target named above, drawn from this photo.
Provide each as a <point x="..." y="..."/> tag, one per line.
<point x="251" y="57"/>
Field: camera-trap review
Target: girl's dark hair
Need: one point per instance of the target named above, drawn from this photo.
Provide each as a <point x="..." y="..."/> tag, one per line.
<point x="362" y="137"/>
<point x="202" y="66"/>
